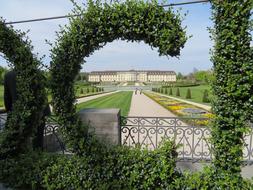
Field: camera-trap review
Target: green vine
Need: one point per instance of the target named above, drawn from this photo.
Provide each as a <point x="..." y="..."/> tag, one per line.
<point x="233" y="86"/>
<point x="22" y="122"/>
<point x="99" y="24"/>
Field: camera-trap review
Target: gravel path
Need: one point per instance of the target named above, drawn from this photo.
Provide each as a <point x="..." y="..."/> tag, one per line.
<point x="144" y="106"/>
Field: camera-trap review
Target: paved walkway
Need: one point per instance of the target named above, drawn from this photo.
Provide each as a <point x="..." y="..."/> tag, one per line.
<point x="85" y="99"/>
<point x="206" y="107"/>
<point x="144" y="106"/>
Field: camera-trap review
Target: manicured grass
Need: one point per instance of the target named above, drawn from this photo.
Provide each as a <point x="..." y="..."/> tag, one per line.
<point x="196" y="93"/>
<point x="78" y="88"/>
<point x="121" y="100"/>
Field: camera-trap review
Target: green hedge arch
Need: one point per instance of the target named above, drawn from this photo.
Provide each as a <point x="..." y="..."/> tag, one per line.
<point x="99" y="24"/>
<point x="25" y="117"/>
<point x="233" y="87"/>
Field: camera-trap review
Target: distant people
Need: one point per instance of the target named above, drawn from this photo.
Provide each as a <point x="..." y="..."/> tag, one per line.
<point x="136" y="91"/>
<point x="141" y="91"/>
<point x="10" y="96"/>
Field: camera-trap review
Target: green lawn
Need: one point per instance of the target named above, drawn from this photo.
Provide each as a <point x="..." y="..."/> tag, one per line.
<point x="121" y="100"/>
<point x="78" y="87"/>
<point x="196" y="93"/>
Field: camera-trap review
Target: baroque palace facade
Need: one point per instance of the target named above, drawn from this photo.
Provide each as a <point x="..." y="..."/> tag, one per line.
<point x="132" y="75"/>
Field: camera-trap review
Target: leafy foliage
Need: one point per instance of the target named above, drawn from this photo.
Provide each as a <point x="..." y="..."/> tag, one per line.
<point x="31" y="96"/>
<point x="99" y="24"/>
<point x="101" y="168"/>
<point x="2" y="73"/>
<point x="188" y="94"/>
<point x="170" y="92"/>
<point x="203" y="76"/>
<point x="178" y="92"/>
<point x="205" y="98"/>
<point x="166" y="91"/>
<point x="233" y="86"/>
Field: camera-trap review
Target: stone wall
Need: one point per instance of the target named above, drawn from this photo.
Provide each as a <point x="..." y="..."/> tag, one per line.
<point x="104" y="122"/>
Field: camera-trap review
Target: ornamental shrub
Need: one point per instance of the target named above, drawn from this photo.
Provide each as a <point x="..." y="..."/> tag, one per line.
<point x="232" y="58"/>
<point x="178" y="92"/>
<point x="101" y="168"/>
<point x="27" y="112"/>
<point x="205" y="98"/>
<point x="170" y="93"/>
<point x="88" y="90"/>
<point x="26" y="170"/>
<point x="188" y="94"/>
<point x="81" y="91"/>
<point x="166" y="91"/>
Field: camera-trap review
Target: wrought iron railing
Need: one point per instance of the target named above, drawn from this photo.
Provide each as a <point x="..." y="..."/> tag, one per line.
<point x="191" y="134"/>
<point x="53" y="141"/>
<point x="3" y="118"/>
<point x="52" y="138"/>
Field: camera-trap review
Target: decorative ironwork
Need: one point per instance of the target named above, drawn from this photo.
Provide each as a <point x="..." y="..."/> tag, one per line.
<point x="3" y="118"/>
<point x="52" y="138"/>
<point x="191" y="134"/>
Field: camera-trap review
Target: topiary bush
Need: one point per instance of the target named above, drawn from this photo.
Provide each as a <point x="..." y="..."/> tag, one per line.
<point x="233" y="87"/>
<point x="101" y="168"/>
<point x="27" y="113"/>
<point x="188" y="94"/>
<point x="178" y="92"/>
<point x="26" y="171"/>
<point x="170" y="93"/>
<point x="166" y="91"/>
<point x="205" y="97"/>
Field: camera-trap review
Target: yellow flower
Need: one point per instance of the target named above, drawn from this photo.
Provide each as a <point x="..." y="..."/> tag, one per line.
<point x="208" y="115"/>
<point x="174" y="108"/>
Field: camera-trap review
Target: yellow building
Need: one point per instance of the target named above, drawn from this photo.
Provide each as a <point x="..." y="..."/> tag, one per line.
<point x="132" y="75"/>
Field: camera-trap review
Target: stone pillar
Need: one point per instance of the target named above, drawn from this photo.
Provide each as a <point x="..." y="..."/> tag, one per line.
<point x="104" y="122"/>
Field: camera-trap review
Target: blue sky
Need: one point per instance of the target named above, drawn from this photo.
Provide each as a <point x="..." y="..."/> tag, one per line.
<point x="118" y="55"/>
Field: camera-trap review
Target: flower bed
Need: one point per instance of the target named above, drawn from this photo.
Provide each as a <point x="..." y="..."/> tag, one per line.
<point x="183" y="109"/>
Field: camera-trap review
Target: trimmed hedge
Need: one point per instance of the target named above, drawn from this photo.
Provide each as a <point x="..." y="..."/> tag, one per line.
<point x="233" y="86"/>
<point x="99" y="24"/>
<point x="188" y="94"/>
<point x="31" y="101"/>
<point x="118" y="168"/>
<point x="100" y="168"/>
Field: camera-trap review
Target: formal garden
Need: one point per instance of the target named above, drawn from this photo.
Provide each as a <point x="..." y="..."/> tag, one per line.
<point x="94" y="165"/>
<point x="183" y="110"/>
